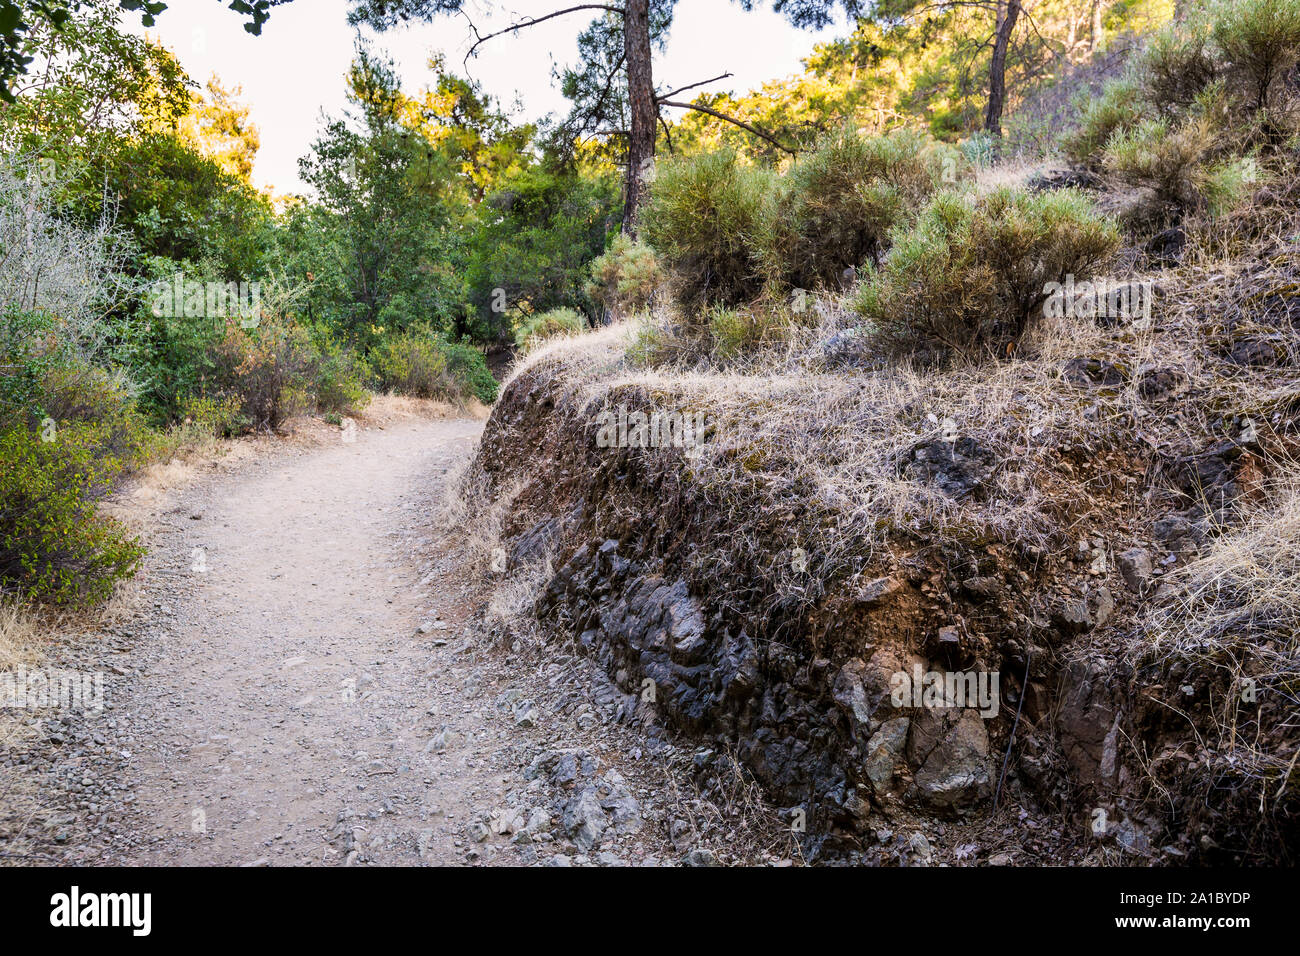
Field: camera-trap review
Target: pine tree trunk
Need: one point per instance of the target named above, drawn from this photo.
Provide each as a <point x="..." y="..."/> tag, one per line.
<point x="1007" y="17"/>
<point x="641" y="96"/>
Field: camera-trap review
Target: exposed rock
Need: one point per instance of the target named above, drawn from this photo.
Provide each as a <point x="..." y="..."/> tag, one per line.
<point x="884" y="750"/>
<point x="700" y="857"/>
<point x="1135" y="567"/>
<point x="1088" y="723"/>
<point x="584" y="820"/>
<point x="956" y="772"/>
<point x="1072" y="616"/>
<point x="1177" y="534"/>
<point x="957" y="467"/>
<point x="1102" y="605"/>
<point x="877" y="591"/>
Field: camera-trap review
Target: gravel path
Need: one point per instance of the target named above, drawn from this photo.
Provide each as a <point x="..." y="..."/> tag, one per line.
<point x="279" y="693"/>
<point x="306" y="678"/>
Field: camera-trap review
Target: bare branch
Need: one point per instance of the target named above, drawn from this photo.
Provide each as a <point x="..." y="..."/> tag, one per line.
<point x="683" y="89"/>
<point x="734" y="122"/>
<point x="668" y="135"/>
<point x="533" y="21"/>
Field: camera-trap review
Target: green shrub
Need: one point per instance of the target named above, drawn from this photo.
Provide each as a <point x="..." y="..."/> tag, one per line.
<point x="735" y="332"/>
<point x="536" y="329"/>
<point x="268" y="369"/>
<point x="708" y="217"/>
<point x="846" y="196"/>
<point x="425" y="365"/>
<point x="338" y="378"/>
<point x="968" y="279"/>
<point x="1119" y="107"/>
<point x="469" y="369"/>
<point x="211" y="416"/>
<point x="1167" y="158"/>
<point x="69" y="432"/>
<point x="29" y="353"/>
<point x="1179" y="62"/>
<point x="624" y="278"/>
<point x="1229" y="182"/>
<point x="53" y="545"/>
<point x="1260" y="40"/>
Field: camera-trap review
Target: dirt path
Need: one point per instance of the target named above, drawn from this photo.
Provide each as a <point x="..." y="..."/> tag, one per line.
<point x="287" y="709"/>
<point x="306" y="676"/>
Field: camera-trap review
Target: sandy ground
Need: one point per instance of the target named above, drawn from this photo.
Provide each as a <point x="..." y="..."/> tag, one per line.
<point x="286" y="684"/>
<point x="301" y="675"/>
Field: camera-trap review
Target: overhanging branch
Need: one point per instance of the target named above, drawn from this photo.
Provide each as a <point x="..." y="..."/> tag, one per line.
<point x="683" y="89"/>
<point x="734" y="122"/>
<point x="533" y="21"/>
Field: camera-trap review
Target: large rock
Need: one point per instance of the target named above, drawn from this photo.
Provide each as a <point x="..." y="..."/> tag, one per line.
<point x="956" y="773"/>
<point x="884" y="750"/>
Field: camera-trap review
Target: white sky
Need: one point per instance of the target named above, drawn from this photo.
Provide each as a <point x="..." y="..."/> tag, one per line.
<point x="295" y="69"/>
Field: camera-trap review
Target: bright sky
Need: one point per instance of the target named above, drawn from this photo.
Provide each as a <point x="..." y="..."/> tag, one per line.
<point x="295" y="69"/>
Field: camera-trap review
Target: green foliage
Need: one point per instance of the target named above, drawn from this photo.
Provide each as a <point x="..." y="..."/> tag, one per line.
<point x="846" y="196"/>
<point x="53" y="544"/>
<point x="536" y="329"/>
<point x="423" y="364"/>
<point x="68" y="432"/>
<point x="1260" y="40"/>
<point x="1119" y="107"/>
<point x="728" y="231"/>
<point x="211" y="416"/>
<point x="709" y="217"/>
<point x="735" y="332"/>
<point x="624" y="277"/>
<point x="968" y="279"/>
<point x="401" y="237"/>
<point x="531" y="243"/>
<point x="1166" y="157"/>
<point x="268" y="369"/>
<point x="1206" y="109"/>
<point x="339" y="376"/>
<point x="469" y="371"/>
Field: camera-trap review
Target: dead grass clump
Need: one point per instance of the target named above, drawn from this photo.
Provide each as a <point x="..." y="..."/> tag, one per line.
<point x="1231" y="630"/>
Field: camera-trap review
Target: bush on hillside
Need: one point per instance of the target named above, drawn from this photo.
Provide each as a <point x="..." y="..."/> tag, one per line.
<point x="624" y="277"/>
<point x="1260" y="42"/>
<point x="708" y="218"/>
<point x="1119" y="107"/>
<point x="1179" y="62"/>
<point x="968" y="279"/>
<point x="846" y="196"/>
<point x="1167" y="158"/>
<point x="536" y="329"/>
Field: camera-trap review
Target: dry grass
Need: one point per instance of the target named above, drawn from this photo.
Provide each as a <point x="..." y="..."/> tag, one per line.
<point x="840" y="442"/>
<point x="1234" y="617"/>
<point x="19" y="635"/>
